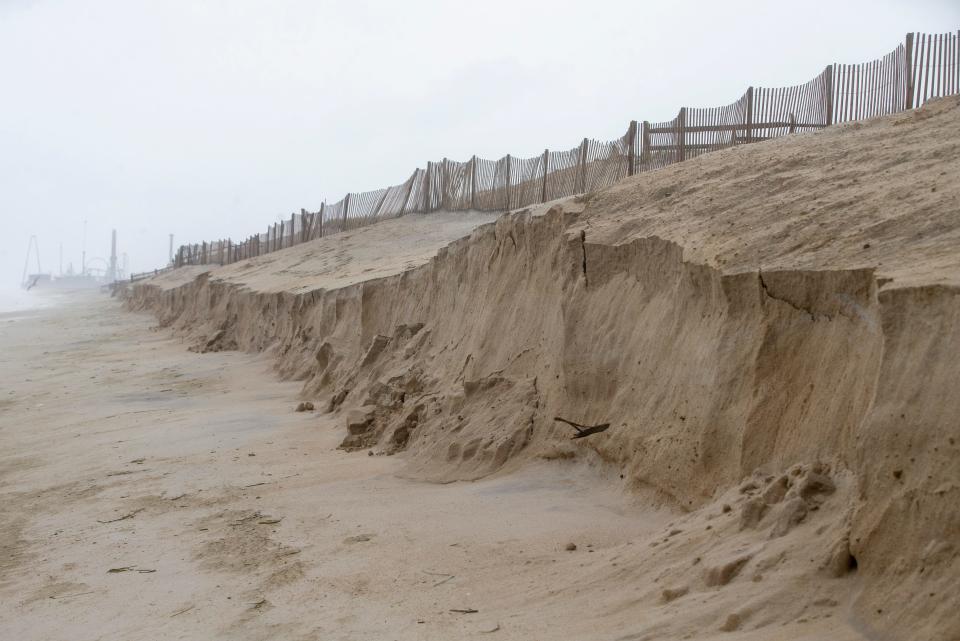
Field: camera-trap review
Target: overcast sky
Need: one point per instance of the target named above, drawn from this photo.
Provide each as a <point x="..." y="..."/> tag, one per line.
<point x="211" y="119"/>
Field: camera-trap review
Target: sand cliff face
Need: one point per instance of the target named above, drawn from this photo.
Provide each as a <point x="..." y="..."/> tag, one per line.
<point x="817" y="404"/>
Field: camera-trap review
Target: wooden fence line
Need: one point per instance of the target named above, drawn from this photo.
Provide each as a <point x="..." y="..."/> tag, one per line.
<point x="924" y="66"/>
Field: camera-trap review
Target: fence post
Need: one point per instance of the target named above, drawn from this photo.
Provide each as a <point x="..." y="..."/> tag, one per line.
<point x="908" y="69"/>
<point x="583" y="165"/>
<point x="749" y="114"/>
<point x="829" y="92"/>
<point x="293" y="229"/>
<point x="346" y="210"/>
<point x="406" y="198"/>
<point x="323" y="206"/>
<point x="632" y="142"/>
<point x="645" y="147"/>
<point x="509" y="163"/>
<point x="444" y="196"/>
<point x="473" y="182"/>
<point x="681" y="134"/>
<point x="429" y="176"/>
<point x="383" y="199"/>
<point x="543" y="189"/>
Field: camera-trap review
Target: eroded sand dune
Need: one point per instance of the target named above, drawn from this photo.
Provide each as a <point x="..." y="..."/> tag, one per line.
<point x="772" y="333"/>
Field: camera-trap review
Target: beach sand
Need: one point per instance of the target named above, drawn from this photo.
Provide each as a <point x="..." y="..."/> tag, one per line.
<point x="233" y="516"/>
<point x="149" y="492"/>
<point x="767" y="335"/>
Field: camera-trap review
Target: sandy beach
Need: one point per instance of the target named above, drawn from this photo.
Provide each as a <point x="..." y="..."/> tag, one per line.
<point x="149" y="492"/>
<point x="761" y="366"/>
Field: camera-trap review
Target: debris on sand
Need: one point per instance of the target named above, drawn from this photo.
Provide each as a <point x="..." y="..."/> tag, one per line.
<point x="129" y="515"/>
<point x="584" y="430"/>
<point x="360" y="538"/>
<point x="449" y="577"/>
<point x="129" y="568"/>
<point x="125" y="472"/>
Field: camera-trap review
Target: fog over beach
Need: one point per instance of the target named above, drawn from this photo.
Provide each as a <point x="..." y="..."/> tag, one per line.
<point x="15" y="299"/>
<point x="422" y="321"/>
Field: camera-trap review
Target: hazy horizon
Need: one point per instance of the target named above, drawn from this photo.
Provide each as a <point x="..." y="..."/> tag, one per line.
<point x="213" y="120"/>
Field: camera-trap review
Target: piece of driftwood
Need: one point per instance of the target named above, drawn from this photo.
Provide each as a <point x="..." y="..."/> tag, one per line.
<point x="449" y="577"/>
<point x="124" y="517"/>
<point x="68" y="596"/>
<point x="584" y="430"/>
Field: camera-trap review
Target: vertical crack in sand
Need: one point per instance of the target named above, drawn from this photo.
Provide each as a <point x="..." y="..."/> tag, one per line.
<point x="583" y="248"/>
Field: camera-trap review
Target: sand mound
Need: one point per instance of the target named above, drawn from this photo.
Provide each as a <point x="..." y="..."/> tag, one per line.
<point x="770" y="331"/>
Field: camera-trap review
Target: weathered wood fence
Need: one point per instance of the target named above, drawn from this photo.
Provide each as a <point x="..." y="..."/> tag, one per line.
<point x="924" y="66"/>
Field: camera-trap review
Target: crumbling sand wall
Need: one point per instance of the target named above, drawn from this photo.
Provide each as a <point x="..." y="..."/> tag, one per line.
<point x="645" y="307"/>
<point x="704" y="377"/>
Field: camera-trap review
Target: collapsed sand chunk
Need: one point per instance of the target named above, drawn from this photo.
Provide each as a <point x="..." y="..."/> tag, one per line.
<point x="377" y="345"/>
<point x="337" y="399"/>
<point x="725" y="572"/>
<point x="732" y="622"/>
<point x="752" y="512"/>
<point x="360" y="419"/>
<point x="671" y="594"/>
<point x="305" y="406"/>
<point x="360" y="428"/>
<point x="406" y="332"/>
<point x="791" y="514"/>
<point x="401" y="435"/>
<point x="814" y="484"/>
<point x="777" y="490"/>
<point x="840" y="561"/>
<point x="216" y="338"/>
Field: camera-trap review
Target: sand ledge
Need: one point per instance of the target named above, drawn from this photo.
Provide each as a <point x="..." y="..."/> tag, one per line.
<point x="820" y="407"/>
